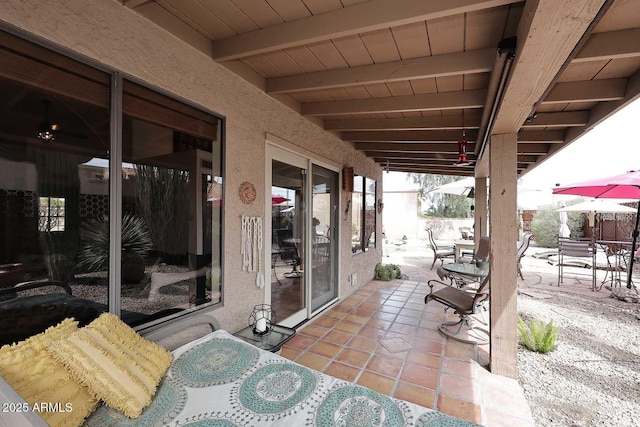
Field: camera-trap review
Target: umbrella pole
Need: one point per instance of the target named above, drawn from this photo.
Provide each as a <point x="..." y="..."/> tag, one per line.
<point x="633" y="248"/>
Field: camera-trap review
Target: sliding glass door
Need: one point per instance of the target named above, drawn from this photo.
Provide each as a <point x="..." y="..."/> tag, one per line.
<point x="303" y="236"/>
<point x="324" y="237"/>
<point x="288" y="233"/>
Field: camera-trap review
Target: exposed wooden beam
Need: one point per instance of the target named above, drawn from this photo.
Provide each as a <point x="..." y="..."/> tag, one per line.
<point x="560" y="119"/>
<point x="180" y="26"/>
<point x="546" y="39"/>
<point x="527" y="159"/>
<point x="423" y="102"/>
<point x="534" y="149"/>
<point x="425" y="161"/>
<point x="471" y="121"/>
<point x="451" y="64"/>
<point x="600" y="113"/>
<point x="407" y="135"/>
<point x="435" y="164"/>
<point x="550" y="136"/>
<point x="135" y="3"/>
<point x="410" y="155"/>
<point x="455" y="171"/>
<point x="433" y="169"/>
<point x="407" y="147"/>
<point x="610" y="45"/>
<point x="587" y="91"/>
<point x="358" y="18"/>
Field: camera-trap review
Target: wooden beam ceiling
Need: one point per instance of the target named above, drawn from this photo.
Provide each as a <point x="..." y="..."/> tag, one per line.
<point x="407" y="147"/>
<point x="358" y="18"/>
<point x="610" y="45"/>
<point x="451" y="64"/>
<point x="560" y="119"/>
<point x="407" y="135"/>
<point x="471" y="121"/>
<point x="379" y="71"/>
<point x="587" y="91"/>
<point x="424" y="102"/>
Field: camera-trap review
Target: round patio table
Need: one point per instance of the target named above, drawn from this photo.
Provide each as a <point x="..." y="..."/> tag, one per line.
<point x="466" y="269"/>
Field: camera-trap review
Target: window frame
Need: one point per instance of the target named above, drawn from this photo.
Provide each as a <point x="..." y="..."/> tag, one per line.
<point x="58" y="217"/>
<point x="116" y="77"/>
<point x="363" y="244"/>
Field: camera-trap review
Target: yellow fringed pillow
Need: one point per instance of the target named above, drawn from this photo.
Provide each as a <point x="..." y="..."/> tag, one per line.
<point x="115" y="363"/>
<point x="42" y="382"/>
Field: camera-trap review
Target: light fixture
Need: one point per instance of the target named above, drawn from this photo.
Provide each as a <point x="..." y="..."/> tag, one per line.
<point x="46" y="129"/>
<point x="462" y="147"/>
<point x="262" y="319"/>
<point x="462" y="152"/>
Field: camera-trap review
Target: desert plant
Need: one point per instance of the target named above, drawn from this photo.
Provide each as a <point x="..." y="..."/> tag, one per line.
<point x="538" y="336"/>
<point x="94" y="249"/>
<point x="387" y="272"/>
<point x="163" y="203"/>
<point x="438" y="227"/>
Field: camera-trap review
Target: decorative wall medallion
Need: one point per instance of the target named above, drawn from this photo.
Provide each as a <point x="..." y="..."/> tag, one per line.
<point x="247" y="193"/>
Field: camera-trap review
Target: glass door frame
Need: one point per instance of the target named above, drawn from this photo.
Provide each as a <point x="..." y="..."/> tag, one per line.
<point x="283" y="154"/>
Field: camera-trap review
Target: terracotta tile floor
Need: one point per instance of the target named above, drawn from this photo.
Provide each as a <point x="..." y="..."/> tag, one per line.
<point x="385" y="338"/>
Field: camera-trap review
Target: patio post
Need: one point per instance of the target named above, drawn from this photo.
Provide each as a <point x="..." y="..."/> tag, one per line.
<point x="503" y="264"/>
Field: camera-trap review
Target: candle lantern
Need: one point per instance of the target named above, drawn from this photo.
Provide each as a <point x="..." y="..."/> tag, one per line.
<point x="262" y="319"/>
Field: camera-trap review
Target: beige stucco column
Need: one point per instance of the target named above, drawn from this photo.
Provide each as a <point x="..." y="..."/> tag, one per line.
<point x="480" y="216"/>
<point x="502" y="223"/>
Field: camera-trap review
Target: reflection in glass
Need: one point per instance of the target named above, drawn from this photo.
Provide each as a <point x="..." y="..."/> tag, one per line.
<point x="323" y="244"/>
<point x="172" y="185"/>
<point x="54" y="123"/>
<point x="363" y="215"/>
<point x="287" y="242"/>
<point x="54" y="196"/>
<point x="357" y="199"/>
<point x="369" y="234"/>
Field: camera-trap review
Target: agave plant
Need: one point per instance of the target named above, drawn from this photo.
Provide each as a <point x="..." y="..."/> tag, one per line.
<point x="94" y="249"/>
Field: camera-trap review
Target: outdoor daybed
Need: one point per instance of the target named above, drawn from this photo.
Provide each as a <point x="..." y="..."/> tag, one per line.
<point x="219" y="380"/>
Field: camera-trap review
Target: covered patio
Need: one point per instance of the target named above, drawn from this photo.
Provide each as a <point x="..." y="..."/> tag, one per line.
<point x="470" y="88"/>
<point x="479" y="88"/>
<point x="384" y="337"/>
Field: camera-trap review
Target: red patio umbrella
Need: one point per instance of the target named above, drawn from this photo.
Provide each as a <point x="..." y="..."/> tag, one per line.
<point x="623" y="186"/>
<point x="276" y="200"/>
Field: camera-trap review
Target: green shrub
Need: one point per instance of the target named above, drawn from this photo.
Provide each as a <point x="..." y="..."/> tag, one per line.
<point x="387" y="272"/>
<point x="538" y="336"/>
<point x="546" y="225"/>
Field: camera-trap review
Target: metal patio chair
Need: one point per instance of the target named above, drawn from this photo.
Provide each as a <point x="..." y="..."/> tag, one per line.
<point x="522" y="248"/>
<point x="439" y="251"/>
<point x="465" y="303"/>
<point x="576" y="253"/>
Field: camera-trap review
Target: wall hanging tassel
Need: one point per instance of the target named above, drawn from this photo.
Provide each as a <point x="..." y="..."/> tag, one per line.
<point x="251" y="247"/>
<point x="260" y="276"/>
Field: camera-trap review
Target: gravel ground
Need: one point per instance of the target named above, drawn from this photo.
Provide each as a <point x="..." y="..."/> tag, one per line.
<point x="593" y="377"/>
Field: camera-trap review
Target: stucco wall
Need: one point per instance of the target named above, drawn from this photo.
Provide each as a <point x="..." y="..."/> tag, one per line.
<point x="111" y="34"/>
